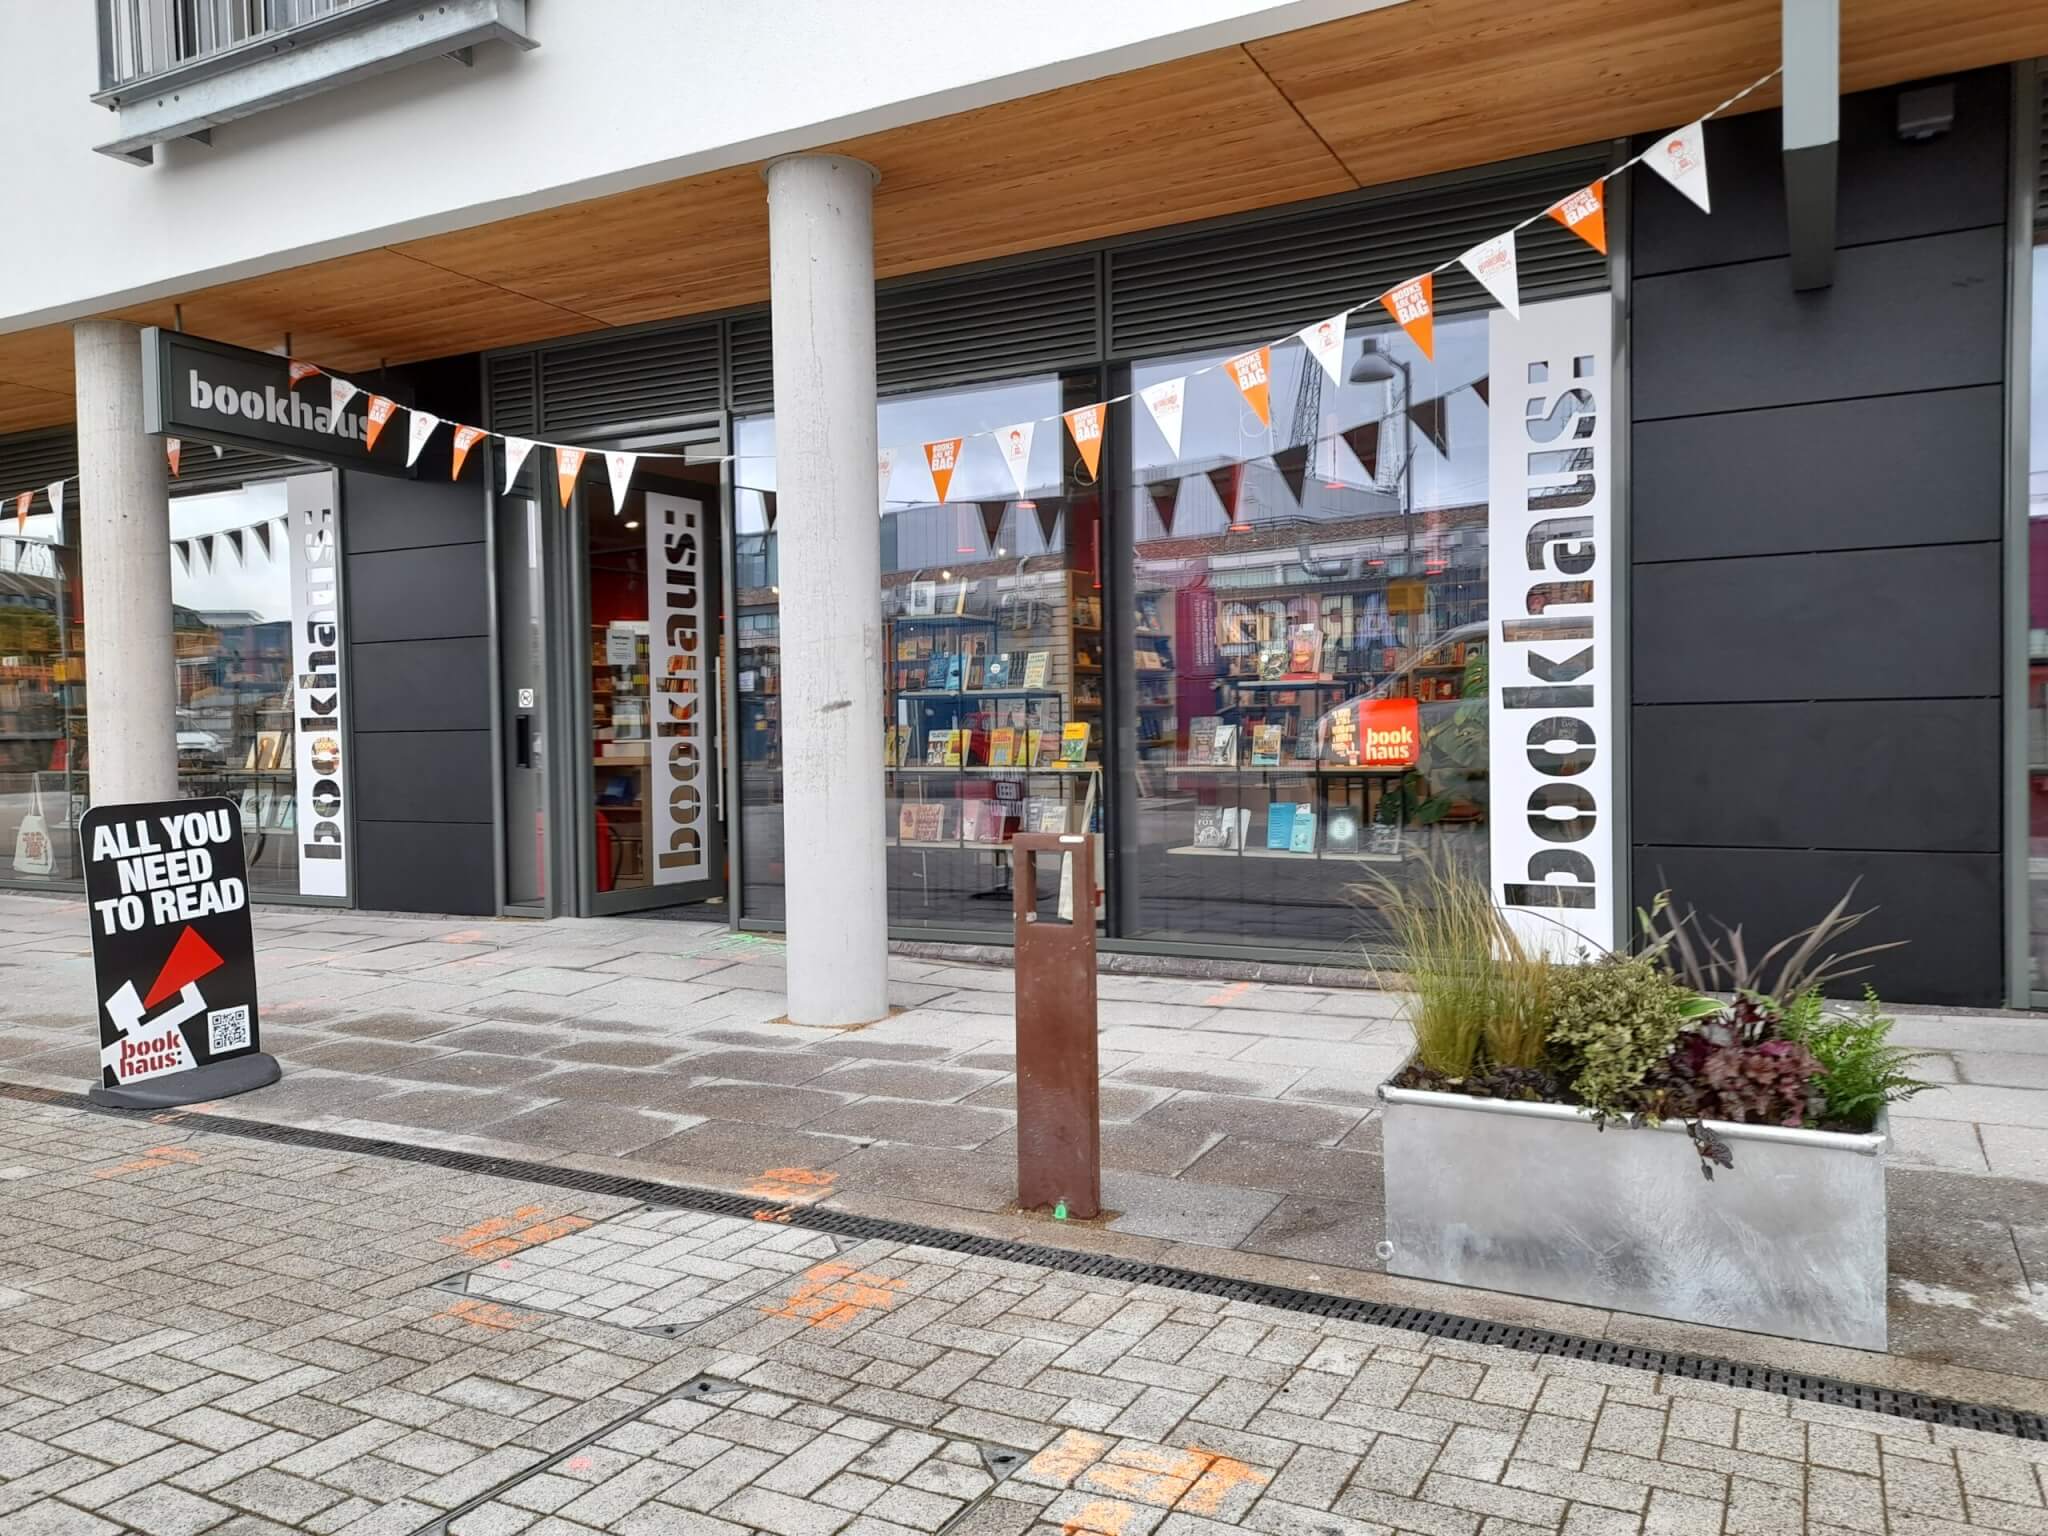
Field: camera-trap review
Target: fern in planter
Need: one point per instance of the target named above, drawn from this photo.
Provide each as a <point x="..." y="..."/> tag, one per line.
<point x="1860" y="1070"/>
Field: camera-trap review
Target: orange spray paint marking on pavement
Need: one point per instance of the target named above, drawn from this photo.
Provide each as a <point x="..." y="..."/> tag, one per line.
<point x="1235" y="989"/>
<point x="155" y="1158"/>
<point x="789" y="1186"/>
<point x="833" y="1295"/>
<point x="496" y="1236"/>
<point x="1067" y="1457"/>
<point x="1102" y="1517"/>
<point x="1224" y="1474"/>
<point x="486" y="1314"/>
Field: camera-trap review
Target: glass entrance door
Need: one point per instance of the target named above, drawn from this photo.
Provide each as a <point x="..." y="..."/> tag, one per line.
<point x="654" y="637"/>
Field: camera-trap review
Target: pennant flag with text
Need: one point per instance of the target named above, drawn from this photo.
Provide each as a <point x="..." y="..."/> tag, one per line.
<point x="339" y="393"/>
<point x="1016" y="445"/>
<point x="21" y="510"/>
<point x="174" y="451"/>
<point x="1085" y="426"/>
<point x="942" y="458"/>
<point x="1413" y="304"/>
<point x="1252" y="372"/>
<point x="1167" y="400"/>
<point x="568" y="465"/>
<point x="419" y="428"/>
<point x="1584" y="213"/>
<point x="885" y="468"/>
<point x="56" y="495"/>
<point x="300" y="372"/>
<point x="516" y="450"/>
<point x="1325" y="343"/>
<point x="380" y="412"/>
<point x="466" y="438"/>
<point x="1681" y="159"/>
<point x="620" y="467"/>
<point x="1493" y="263"/>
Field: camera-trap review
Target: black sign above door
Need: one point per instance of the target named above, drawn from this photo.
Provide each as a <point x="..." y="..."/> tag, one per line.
<point x="211" y="391"/>
<point x="174" y="965"/>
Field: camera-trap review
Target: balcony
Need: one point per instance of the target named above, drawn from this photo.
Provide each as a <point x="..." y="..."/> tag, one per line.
<point x="176" y="69"/>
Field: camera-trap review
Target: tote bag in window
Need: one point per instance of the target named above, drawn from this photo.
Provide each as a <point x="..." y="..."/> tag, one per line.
<point x="32" y="851"/>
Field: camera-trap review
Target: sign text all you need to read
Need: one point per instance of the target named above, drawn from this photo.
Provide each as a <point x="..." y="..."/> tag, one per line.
<point x="165" y="869"/>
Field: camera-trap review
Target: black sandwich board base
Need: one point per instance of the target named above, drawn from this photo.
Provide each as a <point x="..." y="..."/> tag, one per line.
<point x="214" y="1080"/>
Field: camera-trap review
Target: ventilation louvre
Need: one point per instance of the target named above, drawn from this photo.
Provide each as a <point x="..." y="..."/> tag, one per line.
<point x="514" y="394"/>
<point x="1259" y="278"/>
<point x="1002" y="323"/>
<point x="631" y="380"/>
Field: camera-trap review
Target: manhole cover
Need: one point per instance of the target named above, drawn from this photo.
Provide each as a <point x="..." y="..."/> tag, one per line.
<point x="658" y="1271"/>
<point x="758" y="1461"/>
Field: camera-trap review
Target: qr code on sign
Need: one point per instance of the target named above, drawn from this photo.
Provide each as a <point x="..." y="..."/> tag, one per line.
<point x="227" y="1029"/>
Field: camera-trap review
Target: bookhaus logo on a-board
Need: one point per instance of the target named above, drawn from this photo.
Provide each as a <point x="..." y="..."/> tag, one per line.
<point x="173" y="963"/>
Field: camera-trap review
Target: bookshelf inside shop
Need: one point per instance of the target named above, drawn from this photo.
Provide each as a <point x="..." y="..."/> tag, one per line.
<point x="618" y="712"/>
<point x="994" y="718"/>
<point x="1290" y="741"/>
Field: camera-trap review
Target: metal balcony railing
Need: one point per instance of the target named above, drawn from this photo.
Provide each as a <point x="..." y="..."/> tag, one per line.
<point x="143" y="39"/>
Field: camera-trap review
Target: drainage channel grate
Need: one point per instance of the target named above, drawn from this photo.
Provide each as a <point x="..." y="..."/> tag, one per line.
<point x="1536" y="1341"/>
<point x="604" y="1475"/>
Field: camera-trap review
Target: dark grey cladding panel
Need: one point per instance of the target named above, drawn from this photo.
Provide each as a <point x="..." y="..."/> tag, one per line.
<point x="1888" y="189"/>
<point x="1912" y="315"/>
<point x="418" y="594"/>
<point x="1893" y="776"/>
<point x="1947" y="906"/>
<point x="1869" y="624"/>
<point x="423" y="776"/>
<point x="424" y="866"/>
<point x="380" y="512"/>
<point x="422" y="685"/>
<point x="1862" y="474"/>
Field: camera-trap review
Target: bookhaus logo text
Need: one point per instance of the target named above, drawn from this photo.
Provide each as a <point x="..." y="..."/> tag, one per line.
<point x="1549" y="591"/>
<point x="675" y="673"/>
<point x="270" y="406"/>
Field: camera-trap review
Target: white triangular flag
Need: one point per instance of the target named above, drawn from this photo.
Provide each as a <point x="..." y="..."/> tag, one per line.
<point x="1493" y="263"/>
<point x="516" y="450"/>
<point x="1681" y="159"/>
<point x="885" y="466"/>
<point x="620" y="466"/>
<point x="1016" y="445"/>
<point x="1325" y="343"/>
<point x="56" y="495"/>
<point x="1166" y="400"/>
<point x="339" y="393"/>
<point x="420" y="427"/>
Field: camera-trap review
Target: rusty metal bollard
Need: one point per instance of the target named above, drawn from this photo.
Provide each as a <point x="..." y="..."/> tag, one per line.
<point x="1059" y="1079"/>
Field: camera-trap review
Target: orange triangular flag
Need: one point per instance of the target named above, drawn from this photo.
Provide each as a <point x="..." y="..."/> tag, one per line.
<point x="943" y="457"/>
<point x="21" y="510"/>
<point x="380" y="412"/>
<point x="1584" y="213"/>
<point x="300" y="372"/>
<point x="1413" y="303"/>
<point x="1085" y="425"/>
<point x="466" y="438"/>
<point x="568" y="465"/>
<point x="174" y="451"/>
<point x="1253" y="372"/>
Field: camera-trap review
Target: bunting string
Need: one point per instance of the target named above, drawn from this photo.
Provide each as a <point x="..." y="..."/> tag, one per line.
<point x="1679" y="157"/>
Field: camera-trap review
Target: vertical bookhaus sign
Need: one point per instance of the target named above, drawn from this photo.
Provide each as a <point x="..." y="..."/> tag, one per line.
<point x="676" y="687"/>
<point x="173" y="963"/>
<point x="1550" y="592"/>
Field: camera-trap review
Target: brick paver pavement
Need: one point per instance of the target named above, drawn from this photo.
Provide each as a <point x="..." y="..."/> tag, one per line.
<point x="207" y="1334"/>
<point x="1240" y="1124"/>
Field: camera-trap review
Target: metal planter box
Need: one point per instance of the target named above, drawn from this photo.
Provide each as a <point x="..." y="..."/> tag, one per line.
<point x="1533" y="1199"/>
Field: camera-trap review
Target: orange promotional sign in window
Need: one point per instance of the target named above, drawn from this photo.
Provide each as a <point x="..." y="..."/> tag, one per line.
<point x="1389" y="733"/>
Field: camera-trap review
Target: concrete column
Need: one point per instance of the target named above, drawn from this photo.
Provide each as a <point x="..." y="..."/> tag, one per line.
<point x="821" y="261"/>
<point x="131" y="687"/>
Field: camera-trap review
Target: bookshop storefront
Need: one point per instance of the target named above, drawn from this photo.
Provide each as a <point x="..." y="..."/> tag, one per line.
<point x="1251" y="664"/>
